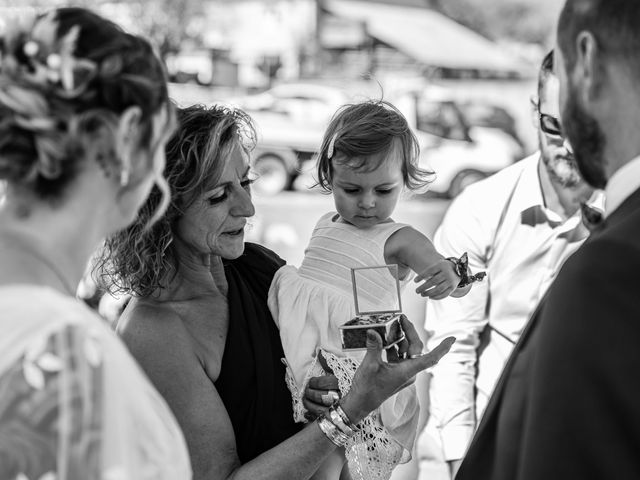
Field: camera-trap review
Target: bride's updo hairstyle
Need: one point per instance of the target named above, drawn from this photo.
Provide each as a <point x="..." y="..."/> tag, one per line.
<point x="65" y="77"/>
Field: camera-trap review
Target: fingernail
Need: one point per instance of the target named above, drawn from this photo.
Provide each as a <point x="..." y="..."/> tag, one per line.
<point x="372" y="341"/>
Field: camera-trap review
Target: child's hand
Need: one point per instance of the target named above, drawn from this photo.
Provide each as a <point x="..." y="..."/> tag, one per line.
<point x="440" y="280"/>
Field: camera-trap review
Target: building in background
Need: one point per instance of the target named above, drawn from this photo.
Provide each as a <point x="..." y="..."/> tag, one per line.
<point x="393" y="38"/>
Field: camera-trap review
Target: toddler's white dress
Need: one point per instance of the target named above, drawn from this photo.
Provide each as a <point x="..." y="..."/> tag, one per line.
<point x="310" y="303"/>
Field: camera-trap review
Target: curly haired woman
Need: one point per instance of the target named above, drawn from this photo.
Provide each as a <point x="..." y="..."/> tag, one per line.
<point x="200" y="326"/>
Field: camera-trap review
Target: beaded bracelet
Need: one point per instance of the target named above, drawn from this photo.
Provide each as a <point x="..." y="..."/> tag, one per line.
<point x="332" y="432"/>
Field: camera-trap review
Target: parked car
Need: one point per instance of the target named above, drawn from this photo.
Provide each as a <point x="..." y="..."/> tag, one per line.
<point x="485" y="114"/>
<point x="458" y="151"/>
<point x="291" y="120"/>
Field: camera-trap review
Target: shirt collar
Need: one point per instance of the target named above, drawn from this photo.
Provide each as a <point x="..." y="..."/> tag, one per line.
<point x="621" y="185"/>
<point x="529" y="191"/>
<point x="528" y="195"/>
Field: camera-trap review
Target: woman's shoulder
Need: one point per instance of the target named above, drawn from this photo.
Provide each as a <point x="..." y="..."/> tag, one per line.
<point x="146" y="322"/>
<point x="30" y="315"/>
<point x="33" y="306"/>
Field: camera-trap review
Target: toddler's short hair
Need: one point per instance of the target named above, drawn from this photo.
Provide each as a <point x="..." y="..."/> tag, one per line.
<point x="363" y="130"/>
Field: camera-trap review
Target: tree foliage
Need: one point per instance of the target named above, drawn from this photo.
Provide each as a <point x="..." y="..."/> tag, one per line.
<point x="167" y="23"/>
<point x="531" y="21"/>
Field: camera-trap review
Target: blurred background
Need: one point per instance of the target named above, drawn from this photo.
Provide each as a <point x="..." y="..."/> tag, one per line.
<point x="461" y="71"/>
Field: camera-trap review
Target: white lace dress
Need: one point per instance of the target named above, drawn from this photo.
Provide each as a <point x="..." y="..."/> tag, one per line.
<point x="73" y="402"/>
<point x="309" y="304"/>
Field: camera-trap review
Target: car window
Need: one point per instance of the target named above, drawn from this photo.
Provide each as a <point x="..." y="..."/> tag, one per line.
<point x="441" y="118"/>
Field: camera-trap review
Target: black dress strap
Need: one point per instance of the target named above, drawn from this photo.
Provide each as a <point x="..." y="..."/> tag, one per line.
<point x="252" y="377"/>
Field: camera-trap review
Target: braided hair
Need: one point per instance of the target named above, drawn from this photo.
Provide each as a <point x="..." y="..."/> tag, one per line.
<point x="64" y="76"/>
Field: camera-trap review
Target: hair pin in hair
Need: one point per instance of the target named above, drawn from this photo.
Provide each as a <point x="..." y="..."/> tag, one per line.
<point x="33" y="54"/>
<point x="331" y="146"/>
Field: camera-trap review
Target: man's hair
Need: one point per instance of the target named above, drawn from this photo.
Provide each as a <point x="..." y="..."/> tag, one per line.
<point x="614" y="24"/>
<point x="546" y="71"/>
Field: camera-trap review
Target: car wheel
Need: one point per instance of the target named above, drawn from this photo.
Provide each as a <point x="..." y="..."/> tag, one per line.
<point x="273" y="176"/>
<point x="463" y="179"/>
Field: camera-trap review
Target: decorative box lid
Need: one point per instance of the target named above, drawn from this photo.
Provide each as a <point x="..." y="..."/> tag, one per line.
<point x="376" y="290"/>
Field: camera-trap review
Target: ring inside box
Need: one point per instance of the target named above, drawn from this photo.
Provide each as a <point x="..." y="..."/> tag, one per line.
<point x="376" y="294"/>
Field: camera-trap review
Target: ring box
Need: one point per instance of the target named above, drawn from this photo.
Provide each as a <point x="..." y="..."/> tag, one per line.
<point x="376" y="294"/>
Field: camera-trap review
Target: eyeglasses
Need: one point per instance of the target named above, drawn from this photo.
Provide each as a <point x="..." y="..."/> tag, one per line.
<point x="548" y="123"/>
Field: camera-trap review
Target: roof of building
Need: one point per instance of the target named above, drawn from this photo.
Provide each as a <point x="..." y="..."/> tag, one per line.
<point x="427" y="36"/>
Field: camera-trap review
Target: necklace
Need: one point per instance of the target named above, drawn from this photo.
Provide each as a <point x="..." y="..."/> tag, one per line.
<point x="46" y="262"/>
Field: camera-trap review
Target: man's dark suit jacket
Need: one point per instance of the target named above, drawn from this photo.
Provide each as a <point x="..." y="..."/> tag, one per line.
<point x="567" y="405"/>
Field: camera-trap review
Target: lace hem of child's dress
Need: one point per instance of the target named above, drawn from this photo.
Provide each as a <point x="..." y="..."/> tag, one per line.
<point x="372" y="453"/>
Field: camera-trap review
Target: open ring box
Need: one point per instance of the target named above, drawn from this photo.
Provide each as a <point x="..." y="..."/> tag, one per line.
<point x="376" y="293"/>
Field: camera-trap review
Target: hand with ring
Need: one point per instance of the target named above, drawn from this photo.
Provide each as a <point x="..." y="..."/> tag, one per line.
<point x="405" y="350"/>
<point x="320" y="394"/>
<point x="376" y="380"/>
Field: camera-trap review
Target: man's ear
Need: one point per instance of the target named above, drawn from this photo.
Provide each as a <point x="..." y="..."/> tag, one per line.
<point x="535" y="118"/>
<point x="589" y="71"/>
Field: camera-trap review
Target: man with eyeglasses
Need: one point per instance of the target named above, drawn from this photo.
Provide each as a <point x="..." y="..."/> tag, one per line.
<point x="519" y="225"/>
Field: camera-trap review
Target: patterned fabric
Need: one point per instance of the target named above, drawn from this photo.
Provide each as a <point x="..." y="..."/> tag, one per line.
<point x="60" y="373"/>
<point x="73" y="402"/>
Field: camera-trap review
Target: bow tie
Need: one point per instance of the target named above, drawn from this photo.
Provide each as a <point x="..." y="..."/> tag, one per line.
<point x="535" y="215"/>
<point x="592" y="218"/>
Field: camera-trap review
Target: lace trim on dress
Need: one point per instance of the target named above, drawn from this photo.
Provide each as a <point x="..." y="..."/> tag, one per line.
<point x="372" y="453"/>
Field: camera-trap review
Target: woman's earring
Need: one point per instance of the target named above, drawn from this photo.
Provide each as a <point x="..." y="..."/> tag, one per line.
<point x="124" y="177"/>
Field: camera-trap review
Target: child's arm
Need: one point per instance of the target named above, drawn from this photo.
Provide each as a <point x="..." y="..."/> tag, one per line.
<point x="410" y="249"/>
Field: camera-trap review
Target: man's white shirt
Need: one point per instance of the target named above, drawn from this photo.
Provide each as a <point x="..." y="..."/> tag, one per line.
<point x="621" y="185"/>
<point x="507" y="231"/>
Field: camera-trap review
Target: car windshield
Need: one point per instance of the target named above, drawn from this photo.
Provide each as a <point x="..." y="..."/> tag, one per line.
<point x="441" y="118"/>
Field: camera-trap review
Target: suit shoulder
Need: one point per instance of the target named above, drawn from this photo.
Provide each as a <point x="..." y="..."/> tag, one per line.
<point x="599" y="278"/>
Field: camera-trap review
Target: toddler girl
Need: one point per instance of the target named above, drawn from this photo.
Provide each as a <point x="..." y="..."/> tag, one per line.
<point x="368" y="156"/>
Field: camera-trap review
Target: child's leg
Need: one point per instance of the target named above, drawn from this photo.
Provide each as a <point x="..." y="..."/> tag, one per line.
<point x="332" y="467"/>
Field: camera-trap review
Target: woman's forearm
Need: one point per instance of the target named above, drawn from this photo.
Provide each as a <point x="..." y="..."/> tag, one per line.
<point x="297" y="458"/>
